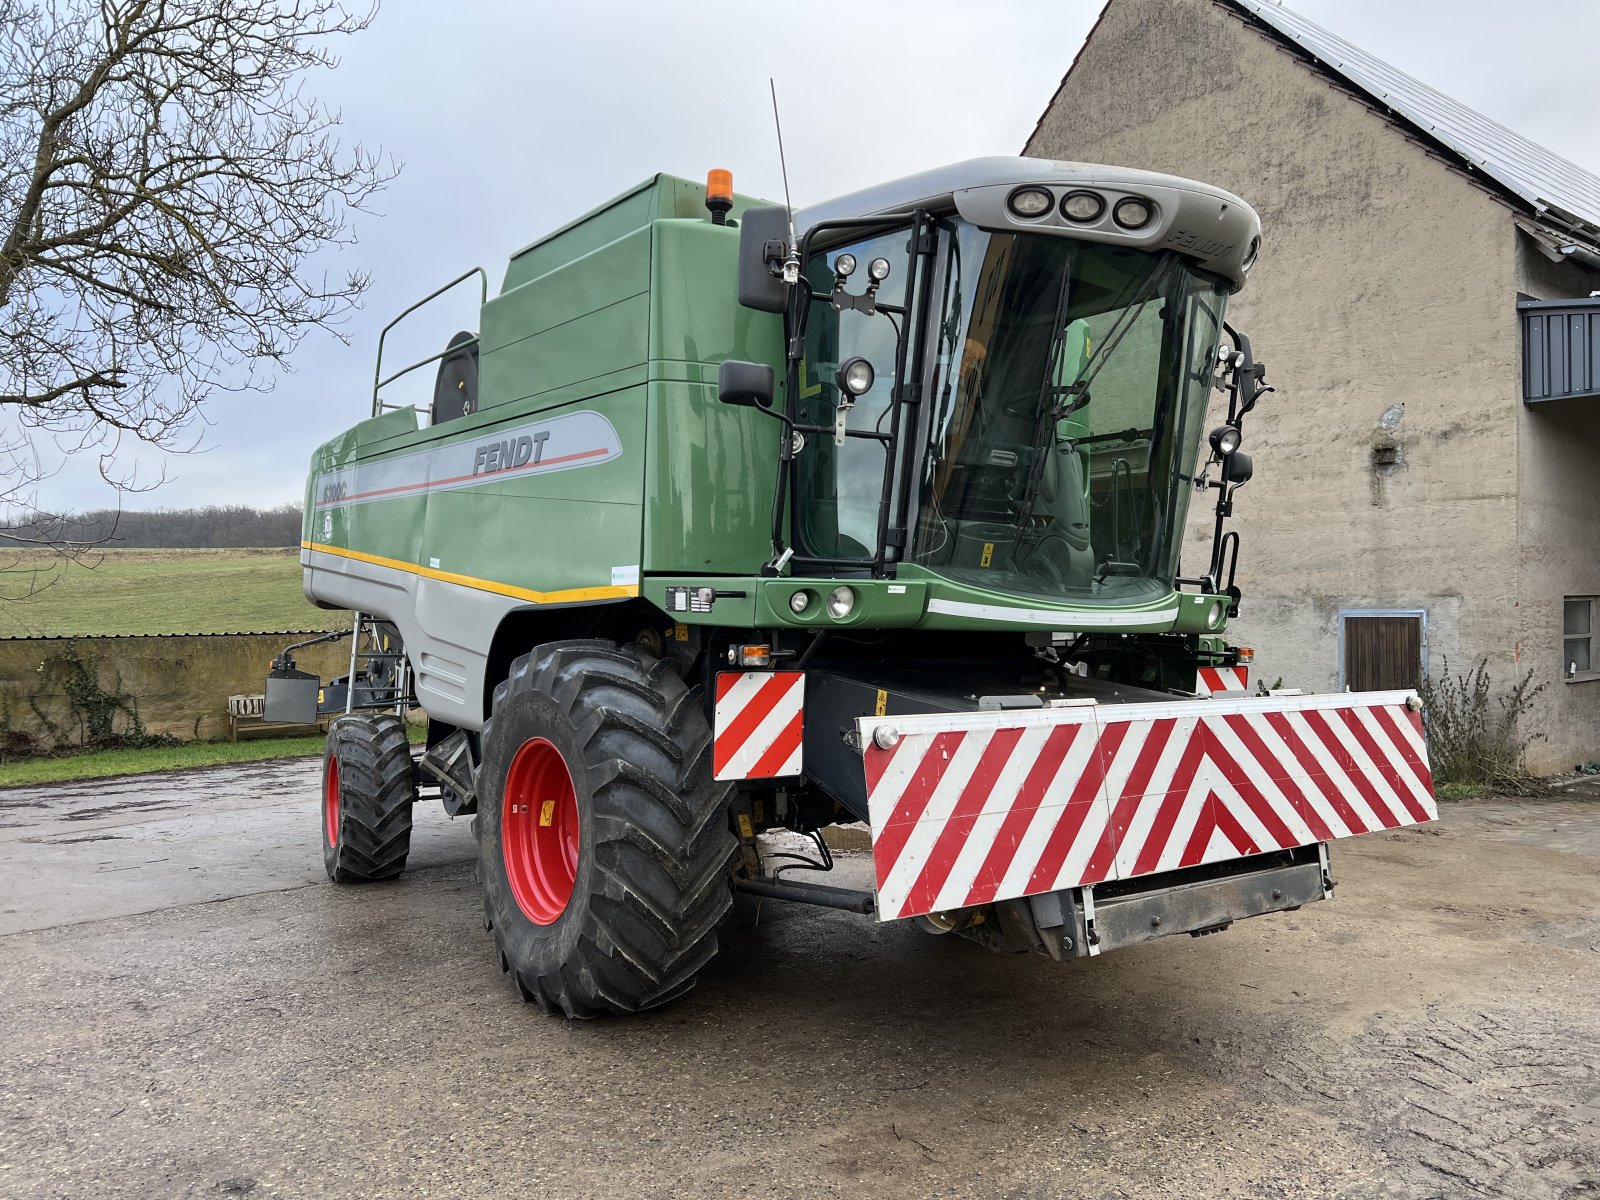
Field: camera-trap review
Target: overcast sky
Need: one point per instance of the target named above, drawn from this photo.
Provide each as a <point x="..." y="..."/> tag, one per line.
<point x="510" y="118"/>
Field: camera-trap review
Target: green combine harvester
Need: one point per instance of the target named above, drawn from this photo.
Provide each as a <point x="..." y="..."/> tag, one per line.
<point x="731" y="519"/>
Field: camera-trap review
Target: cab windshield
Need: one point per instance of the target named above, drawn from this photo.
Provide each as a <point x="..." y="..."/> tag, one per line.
<point x="1069" y="391"/>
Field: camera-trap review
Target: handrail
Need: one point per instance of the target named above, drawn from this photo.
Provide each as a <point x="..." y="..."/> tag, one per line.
<point x="377" y="371"/>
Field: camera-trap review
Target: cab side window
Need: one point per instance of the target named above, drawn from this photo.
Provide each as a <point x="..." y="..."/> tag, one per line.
<point x="839" y="487"/>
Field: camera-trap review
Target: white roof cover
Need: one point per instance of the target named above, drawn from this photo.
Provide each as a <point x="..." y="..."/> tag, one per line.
<point x="1545" y="180"/>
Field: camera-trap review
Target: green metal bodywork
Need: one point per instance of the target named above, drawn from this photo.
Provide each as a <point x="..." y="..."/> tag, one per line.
<point x="627" y="313"/>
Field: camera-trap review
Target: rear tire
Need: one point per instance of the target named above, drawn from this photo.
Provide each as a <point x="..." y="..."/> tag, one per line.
<point x="367" y="793"/>
<point x="603" y="842"/>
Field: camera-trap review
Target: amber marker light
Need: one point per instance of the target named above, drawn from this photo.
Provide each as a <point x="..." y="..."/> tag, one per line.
<point x="719" y="195"/>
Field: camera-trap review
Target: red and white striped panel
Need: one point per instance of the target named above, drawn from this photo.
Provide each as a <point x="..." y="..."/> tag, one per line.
<point x="757" y="727"/>
<point x="1215" y="680"/>
<point x="969" y="808"/>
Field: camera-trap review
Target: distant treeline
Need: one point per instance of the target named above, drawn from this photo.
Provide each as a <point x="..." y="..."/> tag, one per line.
<point x="217" y="527"/>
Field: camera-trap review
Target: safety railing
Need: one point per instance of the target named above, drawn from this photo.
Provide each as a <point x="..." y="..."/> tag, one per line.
<point x="379" y="382"/>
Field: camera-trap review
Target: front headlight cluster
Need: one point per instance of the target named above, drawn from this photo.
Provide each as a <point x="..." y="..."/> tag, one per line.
<point x="840" y="604"/>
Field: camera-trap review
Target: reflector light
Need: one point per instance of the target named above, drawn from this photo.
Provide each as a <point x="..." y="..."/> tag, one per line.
<point x="750" y="656"/>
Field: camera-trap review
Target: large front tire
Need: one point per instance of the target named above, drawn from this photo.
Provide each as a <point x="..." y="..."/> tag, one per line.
<point x="367" y="793"/>
<point x="603" y="842"/>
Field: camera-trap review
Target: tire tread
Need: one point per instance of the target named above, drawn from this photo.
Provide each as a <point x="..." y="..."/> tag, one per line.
<point x="377" y="791"/>
<point x="663" y="847"/>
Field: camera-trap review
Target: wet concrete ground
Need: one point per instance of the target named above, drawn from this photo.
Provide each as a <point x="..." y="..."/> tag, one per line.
<point x="188" y="1009"/>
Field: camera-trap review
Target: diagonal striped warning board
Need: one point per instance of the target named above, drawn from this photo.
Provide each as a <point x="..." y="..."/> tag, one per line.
<point x="758" y="724"/>
<point x="1212" y="681"/>
<point x="969" y="808"/>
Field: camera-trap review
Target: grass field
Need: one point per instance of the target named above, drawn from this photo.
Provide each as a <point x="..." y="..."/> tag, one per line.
<point x="156" y="591"/>
<point x="101" y="764"/>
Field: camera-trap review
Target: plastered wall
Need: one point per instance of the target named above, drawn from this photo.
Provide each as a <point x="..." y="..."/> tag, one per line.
<point x="1387" y="464"/>
<point x="1558" y="461"/>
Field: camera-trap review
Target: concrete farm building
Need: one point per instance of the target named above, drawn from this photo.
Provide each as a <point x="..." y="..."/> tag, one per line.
<point x="1428" y="473"/>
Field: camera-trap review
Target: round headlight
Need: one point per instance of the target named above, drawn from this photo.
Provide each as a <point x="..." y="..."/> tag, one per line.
<point x="1030" y="202"/>
<point x="855" y="376"/>
<point x="1250" y="254"/>
<point x="1132" y="213"/>
<point x="1216" y="613"/>
<point x="1082" y="206"/>
<point x="878" y="269"/>
<point x="799" y="602"/>
<point x="844" y="266"/>
<point x="841" y="602"/>
<point x="1224" y="440"/>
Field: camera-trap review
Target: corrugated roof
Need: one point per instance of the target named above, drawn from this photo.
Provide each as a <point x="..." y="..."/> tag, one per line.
<point x="1556" y="189"/>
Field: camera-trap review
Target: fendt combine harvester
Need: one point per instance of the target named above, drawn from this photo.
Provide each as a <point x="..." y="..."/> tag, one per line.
<point x="872" y="511"/>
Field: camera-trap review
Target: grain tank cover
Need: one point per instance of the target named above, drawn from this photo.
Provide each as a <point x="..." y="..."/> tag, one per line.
<point x="1215" y="228"/>
<point x="661" y="197"/>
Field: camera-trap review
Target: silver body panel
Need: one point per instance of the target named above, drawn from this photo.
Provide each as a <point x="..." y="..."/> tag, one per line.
<point x="437" y="622"/>
<point x="1214" y="227"/>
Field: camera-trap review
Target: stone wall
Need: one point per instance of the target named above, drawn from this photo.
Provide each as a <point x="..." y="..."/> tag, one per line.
<point x="178" y="685"/>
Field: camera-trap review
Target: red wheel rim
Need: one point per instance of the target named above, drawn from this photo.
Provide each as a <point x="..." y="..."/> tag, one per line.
<point x="330" y="800"/>
<point x="539" y="831"/>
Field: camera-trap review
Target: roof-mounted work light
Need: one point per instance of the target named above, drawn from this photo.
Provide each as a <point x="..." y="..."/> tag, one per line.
<point x="1132" y="213"/>
<point x="1030" y="202"/>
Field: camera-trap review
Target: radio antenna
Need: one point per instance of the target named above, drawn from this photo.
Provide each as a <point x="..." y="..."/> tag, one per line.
<point x="791" y="264"/>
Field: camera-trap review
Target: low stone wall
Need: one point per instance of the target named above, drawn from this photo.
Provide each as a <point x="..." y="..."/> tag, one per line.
<point x="53" y="690"/>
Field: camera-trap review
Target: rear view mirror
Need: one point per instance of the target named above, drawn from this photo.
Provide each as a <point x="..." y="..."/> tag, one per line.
<point x="763" y="245"/>
<point x="746" y="383"/>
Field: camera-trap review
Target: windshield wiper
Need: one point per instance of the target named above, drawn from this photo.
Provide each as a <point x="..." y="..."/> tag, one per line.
<point x="1068" y="398"/>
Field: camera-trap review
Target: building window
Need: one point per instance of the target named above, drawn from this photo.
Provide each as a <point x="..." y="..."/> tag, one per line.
<point x="1578" y="638"/>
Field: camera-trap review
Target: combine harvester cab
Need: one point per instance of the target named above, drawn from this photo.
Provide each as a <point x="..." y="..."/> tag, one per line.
<point x="870" y="511"/>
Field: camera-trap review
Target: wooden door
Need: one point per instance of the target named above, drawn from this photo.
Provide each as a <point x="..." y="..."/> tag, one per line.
<point x="1382" y="653"/>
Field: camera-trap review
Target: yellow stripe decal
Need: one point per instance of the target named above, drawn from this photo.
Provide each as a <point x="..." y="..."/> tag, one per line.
<point x="567" y="596"/>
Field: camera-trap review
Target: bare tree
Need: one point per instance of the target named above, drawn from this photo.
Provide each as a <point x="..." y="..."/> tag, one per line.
<point x="163" y="180"/>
